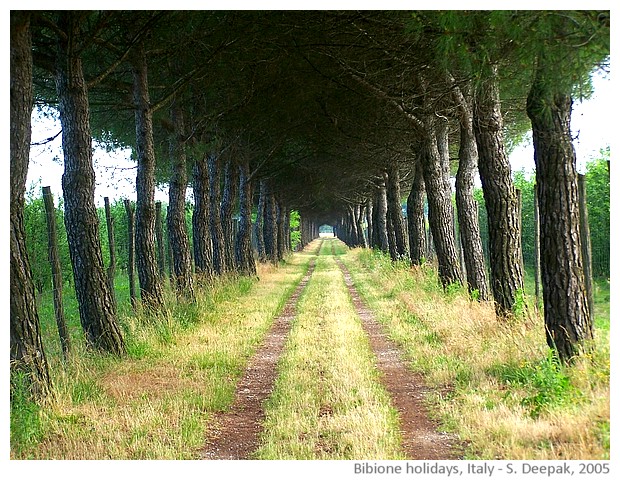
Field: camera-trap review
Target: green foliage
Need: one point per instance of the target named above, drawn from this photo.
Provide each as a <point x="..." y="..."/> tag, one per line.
<point x="546" y="383"/>
<point x="25" y="422"/>
<point x="454" y="289"/>
<point x="520" y="306"/>
<point x="295" y="231"/>
<point x="528" y="238"/>
<point x="37" y="244"/>
<point x="598" y="202"/>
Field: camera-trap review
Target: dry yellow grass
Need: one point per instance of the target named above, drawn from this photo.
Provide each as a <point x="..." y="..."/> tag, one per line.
<point x="327" y="402"/>
<point x="158" y="406"/>
<point x="466" y="354"/>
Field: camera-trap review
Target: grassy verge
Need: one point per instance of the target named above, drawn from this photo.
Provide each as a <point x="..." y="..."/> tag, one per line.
<point x="155" y="403"/>
<point x="498" y="388"/>
<point x="327" y="402"/>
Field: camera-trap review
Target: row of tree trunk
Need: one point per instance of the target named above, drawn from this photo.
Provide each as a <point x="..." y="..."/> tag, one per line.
<point x="567" y="306"/>
<point x="215" y="249"/>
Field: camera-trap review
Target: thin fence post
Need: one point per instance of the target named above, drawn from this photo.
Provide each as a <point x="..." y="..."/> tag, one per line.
<point x="54" y="259"/>
<point x="537" y="247"/>
<point x="586" y="242"/>
<point x="112" y="267"/>
<point x="131" y="241"/>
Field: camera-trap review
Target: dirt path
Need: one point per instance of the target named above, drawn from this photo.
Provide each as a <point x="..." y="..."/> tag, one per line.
<point x="234" y="434"/>
<point x="420" y="438"/>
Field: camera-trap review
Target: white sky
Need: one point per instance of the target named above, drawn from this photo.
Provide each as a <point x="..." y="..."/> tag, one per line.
<point x="116" y="173"/>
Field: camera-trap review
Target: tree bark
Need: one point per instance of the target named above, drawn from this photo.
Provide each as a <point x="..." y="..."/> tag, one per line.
<point x="381" y="219"/>
<point x="466" y="206"/>
<point x="500" y="198"/>
<point x="359" y="219"/>
<point x="280" y="229"/>
<point x="270" y="227"/>
<point x="369" y="222"/>
<point x="27" y="355"/>
<point x="440" y="211"/>
<point x="395" y="210"/>
<point x="304" y="226"/>
<point x="415" y="217"/>
<point x="215" y="222"/>
<point x="181" y="259"/>
<point x="231" y="179"/>
<point x="203" y="248"/>
<point x="54" y="258"/>
<point x="150" y="284"/>
<point x="244" y="254"/>
<point x="260" y="221"/>
<point x="95" y="301"/>
<point x="131" y="248"/>
<point x="568" y="319"/>
<point x="350" y="227"/>
<point x="288" y="247"/>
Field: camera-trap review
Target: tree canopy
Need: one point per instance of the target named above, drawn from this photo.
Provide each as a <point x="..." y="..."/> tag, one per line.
<point x="321" y="101"/>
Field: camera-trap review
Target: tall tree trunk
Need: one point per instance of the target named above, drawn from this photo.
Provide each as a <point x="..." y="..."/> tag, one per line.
<point x="54" y="258"/>
<point x="304" y="226"/>
<point x="27" y="354"/>
<point x="369" y="223"/>
<point x="244" y="254"/>
<point x="500" y="198"/>
<point x="159" y="237"/>
<point x="466" y="206"/>
<point x="260" y="222"/>
<point x="359" y="219"/>
<point x="288" y="247"/>
<point x="350" y="228"/>
<point x="203" y="248"/>
<point x="226" y="213"/>
<point x="280" y="228"/>
<point x="95" y="301"/>
<point x="415" y="217"/>
<point x="440" y="211"/>
<point x="111" y="272"/>
<point x="395" y="210"/>
<point x="381" y="219"/>
<point x="177" y="230"/>
<point x="150" y="282"/>
<point x="131" y="248"/>
<point x="215" y="221"/>
<point x="568" y="319"/>
<point x="270" y="227"/>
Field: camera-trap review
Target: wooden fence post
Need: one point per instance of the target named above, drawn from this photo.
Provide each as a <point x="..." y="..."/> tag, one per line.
<point x="54" y="258"/>
<point x="112" y="267"/>
<point x="586" y="243"/>
<point x="131" y="241"/>
<point x="537" y="247"/>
